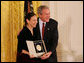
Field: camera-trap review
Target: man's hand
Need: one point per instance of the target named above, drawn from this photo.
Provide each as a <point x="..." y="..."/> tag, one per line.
<point x="45" y="56"/>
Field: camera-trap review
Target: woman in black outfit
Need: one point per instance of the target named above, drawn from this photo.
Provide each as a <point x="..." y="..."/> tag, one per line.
<point x="26" y="34"/>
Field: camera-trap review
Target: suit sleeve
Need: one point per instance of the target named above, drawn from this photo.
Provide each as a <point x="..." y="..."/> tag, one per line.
<point x="55" y="38"/>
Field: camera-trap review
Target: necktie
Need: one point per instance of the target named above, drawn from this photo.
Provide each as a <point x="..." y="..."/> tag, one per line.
<point x="43" y="27"/>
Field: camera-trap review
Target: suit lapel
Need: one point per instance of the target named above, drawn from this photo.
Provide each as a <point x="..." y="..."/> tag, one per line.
<point x="46" y="29"/>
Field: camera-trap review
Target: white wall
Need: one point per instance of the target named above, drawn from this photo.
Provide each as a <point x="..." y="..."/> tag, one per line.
<point x="69" y="15"/>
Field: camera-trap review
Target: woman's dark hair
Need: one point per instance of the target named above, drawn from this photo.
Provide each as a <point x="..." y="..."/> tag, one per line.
<point x="28" y="16"/>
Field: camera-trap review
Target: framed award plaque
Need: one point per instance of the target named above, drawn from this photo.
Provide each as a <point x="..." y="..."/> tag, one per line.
<point x="37" y="48"/>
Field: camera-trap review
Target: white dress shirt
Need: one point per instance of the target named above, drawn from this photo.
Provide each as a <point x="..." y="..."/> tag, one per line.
<point x="41" y="25"/>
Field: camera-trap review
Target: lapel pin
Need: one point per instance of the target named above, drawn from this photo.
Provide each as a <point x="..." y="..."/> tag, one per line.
<point x="48" y="29"/>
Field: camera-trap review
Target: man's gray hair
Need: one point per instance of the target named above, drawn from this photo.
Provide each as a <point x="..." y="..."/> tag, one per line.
<point x="40" y="8"/>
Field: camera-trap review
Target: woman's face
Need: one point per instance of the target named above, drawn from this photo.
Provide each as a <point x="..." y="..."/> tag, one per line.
<point x="33" y="21"/>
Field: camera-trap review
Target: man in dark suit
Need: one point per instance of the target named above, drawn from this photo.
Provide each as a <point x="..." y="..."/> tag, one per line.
<point x="47" y="30"/>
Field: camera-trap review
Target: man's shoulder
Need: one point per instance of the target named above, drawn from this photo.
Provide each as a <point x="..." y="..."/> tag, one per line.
<point x="53" y="21"/>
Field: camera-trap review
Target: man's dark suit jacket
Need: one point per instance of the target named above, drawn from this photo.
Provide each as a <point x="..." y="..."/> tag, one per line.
<point x="50" y="38"/>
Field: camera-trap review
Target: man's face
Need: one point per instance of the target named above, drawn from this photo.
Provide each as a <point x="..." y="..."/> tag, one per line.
<point x="45" y="15"/>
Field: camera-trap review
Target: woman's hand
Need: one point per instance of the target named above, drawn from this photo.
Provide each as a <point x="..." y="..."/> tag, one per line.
<point x="31" y="56"/>
<point x="26" y="52"/>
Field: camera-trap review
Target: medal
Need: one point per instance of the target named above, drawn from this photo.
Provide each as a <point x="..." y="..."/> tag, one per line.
<point x="38" y="47"/>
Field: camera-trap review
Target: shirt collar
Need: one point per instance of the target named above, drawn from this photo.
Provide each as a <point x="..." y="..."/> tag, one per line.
<point x="41" y="21"/>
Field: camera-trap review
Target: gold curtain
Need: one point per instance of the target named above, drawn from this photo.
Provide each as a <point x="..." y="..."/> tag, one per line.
<point x="36" y="4"/>
<point x="12" y="20"/>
